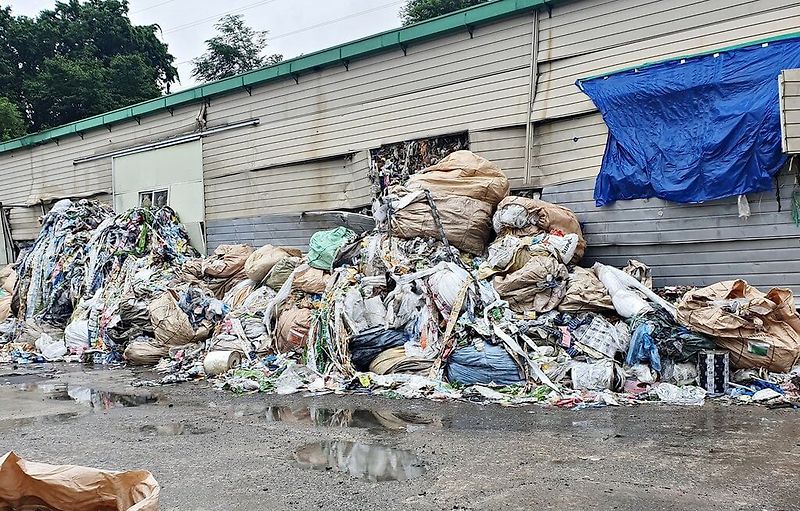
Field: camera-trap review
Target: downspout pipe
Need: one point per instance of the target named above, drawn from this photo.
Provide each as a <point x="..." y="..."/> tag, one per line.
<point x="533" y="80"/>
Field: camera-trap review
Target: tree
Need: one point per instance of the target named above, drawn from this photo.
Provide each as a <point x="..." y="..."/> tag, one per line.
<point x="418" y="10"/>
<point x="11" y="123"/>
<point x="78" y="59"/>
<point x="236" y="49"/>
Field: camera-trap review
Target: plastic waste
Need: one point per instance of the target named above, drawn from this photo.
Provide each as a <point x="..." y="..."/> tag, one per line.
<point x="51" y="349"/>
<point x="674" y="395"/>
<point x="600" y="375"/>
<point x="76" y="336"/>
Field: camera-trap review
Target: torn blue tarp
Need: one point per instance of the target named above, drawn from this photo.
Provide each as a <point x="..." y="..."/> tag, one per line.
<point x="695" y="129"/>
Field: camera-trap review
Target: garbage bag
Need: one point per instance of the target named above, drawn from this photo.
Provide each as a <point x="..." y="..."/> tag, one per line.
<point x="643" y="348"/>
<point x="171" y="325"/>
<point x="463" y="173"/>
<point x="538" y="286"/>
<point x="600" y="375"/>
<point x="673" y="340"/>
<point x="491" y="364"/>
<point x="292" y="329"/>
<point x="522" y="216"/>
<point x="226" y="261"/>
<point x="51" y="349"/>
<point x="261" y="261"/>
<point x="30" y="485"/>
<point x="76" y="336"/>
<point x="395" y="360"/>
<point x="367" y="345"/>
<point x="324" y="246"/>
<point x="466" y="221"/>
<point x="585" y="292"/>
<point x="145" y="352"/>
<point x="310" y="280"/>
<point x="759" y="330"/>
<point x="281" y="272"/>
<point x="445" y="286"/>
<point x="237" y="295"/>
<point x="621" y="287"/>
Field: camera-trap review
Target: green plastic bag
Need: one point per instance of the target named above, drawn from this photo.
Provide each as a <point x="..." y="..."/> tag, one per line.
<point x="324" y="246"/>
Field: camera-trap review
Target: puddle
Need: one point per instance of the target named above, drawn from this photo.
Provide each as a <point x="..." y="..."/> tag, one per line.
<point x="363" y="461"/>
<point x="95" y="399"/>
<point x="345" y="418"/>
<point x="173" y="429"/>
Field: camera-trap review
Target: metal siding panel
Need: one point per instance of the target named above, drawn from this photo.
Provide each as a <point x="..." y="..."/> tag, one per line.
<point x="728" y="24"/>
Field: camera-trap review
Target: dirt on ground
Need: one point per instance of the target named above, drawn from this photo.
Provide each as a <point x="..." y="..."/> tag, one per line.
<point x="214" y="450"/>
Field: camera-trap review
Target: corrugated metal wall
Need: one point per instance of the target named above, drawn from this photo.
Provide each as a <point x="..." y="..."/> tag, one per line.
<point x="685" y="244"/>
<point x="450" y="84"/>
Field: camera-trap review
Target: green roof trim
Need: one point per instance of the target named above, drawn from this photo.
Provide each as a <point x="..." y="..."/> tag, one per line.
<point x="391" y="39"/>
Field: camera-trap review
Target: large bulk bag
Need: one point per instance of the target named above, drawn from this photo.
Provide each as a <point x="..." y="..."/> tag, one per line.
<point x="463" y="173"/>
<point x="760" y="330"/>
<point x="522" y="216"/>
<point x="467" y="222"/>
<point x="538" y="286"/>
<point x="260" y="262"/>
<point x="171" y="326"/>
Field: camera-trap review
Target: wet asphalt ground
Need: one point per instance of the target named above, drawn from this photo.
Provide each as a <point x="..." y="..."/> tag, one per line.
<point x="212" y="450"/>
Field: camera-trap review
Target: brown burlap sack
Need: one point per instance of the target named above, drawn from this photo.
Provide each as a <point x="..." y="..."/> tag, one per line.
<point x="226" y="261"/>
<point x="8" y="277"/>
<point x="541" y="217"/>
<point x="310" y="280"/>
<point x="145" y="353"/>
<point x="260" y="262"/>
<point x="585" y="292"/>
<point x="538" y="286"/>
<point x="31" y="485"/>
<point x="292" y="329"/>
<point x="760" y="330"/>
<point x="463" y="173"/>
<point x="467" y="222"/>
<point x="171" y="325"/>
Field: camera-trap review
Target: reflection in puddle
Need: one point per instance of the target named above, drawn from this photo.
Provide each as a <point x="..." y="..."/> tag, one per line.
<point x="96" y="399"/>
<point x="363" y="461"/>
<point x="173" y="429"/>
<point x="344" y="418"/>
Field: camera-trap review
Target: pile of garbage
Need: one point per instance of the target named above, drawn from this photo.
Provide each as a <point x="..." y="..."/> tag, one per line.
<point x="460" y="292"/>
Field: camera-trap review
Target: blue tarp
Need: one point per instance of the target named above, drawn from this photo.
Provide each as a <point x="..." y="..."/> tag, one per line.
<point x="696" y="131"/>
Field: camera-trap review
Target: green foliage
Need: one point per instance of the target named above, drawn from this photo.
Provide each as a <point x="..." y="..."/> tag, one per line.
<point x="80" y="59"/>
<point x="237" y="48"/>
<point x="11" y="123"/>
<point x="419" y="10"/>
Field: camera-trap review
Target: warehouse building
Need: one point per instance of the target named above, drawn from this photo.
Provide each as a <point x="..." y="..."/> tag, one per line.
<point x="259" y="157"/>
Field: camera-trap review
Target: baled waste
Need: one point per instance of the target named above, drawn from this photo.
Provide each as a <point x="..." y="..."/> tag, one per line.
<point x="460" y="292"/>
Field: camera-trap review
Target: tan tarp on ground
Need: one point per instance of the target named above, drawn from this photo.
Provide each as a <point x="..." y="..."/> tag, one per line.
<point x="764" y="333"/>
<point x="395" y="360"/>
<point x="27" y="484"/>
<point x="171" y="325"/>
<point x="538" y="286"/>
<point x="463" y="173"/>
<point x="260" y="262"/>
<point x="545" y="217"/>
<point x="585" y="292"/>
<point x="467" y="222"/>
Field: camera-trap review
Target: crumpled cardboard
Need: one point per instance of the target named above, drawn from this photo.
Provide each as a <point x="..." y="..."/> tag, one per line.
<point x="759" y="330"/>
<point x="26" y="484"/>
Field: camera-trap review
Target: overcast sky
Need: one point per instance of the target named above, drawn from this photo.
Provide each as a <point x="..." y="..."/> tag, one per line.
<point x="295" y="26"/>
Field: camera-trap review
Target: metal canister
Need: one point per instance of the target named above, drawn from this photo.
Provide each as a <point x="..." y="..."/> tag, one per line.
<point x="713" y="366"/>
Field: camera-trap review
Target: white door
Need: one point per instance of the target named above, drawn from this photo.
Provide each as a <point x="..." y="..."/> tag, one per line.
<point x="170" y="176"/>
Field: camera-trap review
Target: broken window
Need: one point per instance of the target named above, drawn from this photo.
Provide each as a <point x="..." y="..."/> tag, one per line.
<point x="392" y="164"/>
